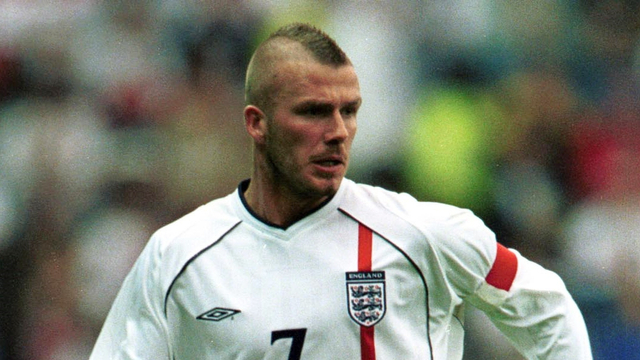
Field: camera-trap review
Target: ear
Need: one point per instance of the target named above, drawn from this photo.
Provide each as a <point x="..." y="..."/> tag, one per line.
<point x="255" y="123"/>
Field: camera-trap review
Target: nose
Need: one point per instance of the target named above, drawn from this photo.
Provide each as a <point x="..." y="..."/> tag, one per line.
<point x="337" y="130"/>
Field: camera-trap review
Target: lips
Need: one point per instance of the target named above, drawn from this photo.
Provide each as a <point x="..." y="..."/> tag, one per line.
<point x="329" y="164"/>
<point x="329" y="161"/>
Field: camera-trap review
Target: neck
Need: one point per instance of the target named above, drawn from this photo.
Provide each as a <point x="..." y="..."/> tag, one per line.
<point x="278" y="206"/>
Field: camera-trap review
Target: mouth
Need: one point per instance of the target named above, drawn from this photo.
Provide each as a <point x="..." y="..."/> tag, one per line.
<point x="329" y="164"/>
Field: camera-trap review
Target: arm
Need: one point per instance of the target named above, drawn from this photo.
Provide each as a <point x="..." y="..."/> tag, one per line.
<point x="532" y="307"/>
<point x="528" y="303"/>
<point x="136" y="327"/>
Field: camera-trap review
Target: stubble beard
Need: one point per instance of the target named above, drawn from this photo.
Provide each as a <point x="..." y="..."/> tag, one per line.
<point x="286" y="174"/>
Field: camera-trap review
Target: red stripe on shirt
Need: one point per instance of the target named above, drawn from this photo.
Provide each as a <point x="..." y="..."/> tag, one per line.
<point x="367" y="345"/>
<point x="365" y="248"/>
<point x="365" y="244"/>
<point x="504" y="269"/>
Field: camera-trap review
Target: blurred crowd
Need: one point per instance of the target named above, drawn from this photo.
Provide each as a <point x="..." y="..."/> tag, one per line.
<point x="117" y="117"/>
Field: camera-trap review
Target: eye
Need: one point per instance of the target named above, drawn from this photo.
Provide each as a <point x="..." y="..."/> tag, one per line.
<point x="313" y="110"/>
<point x="349" y="111"/>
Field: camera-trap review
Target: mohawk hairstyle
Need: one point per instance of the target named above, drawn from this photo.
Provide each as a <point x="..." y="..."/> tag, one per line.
<point x="259" y="88"/>
<point x="324" y="49"/>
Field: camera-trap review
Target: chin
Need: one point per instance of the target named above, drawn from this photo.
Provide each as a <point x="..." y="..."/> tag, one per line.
<point x="328" y="187"/>
<point x="318" y="185"/>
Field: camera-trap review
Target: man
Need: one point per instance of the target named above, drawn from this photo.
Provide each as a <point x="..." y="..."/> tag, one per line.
<point x="301" y="263"/>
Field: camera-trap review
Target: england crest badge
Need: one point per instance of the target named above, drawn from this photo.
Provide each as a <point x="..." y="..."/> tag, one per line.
<point x="366" y="297"/>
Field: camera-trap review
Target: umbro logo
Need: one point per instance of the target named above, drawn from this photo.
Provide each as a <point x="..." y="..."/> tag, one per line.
<point x="217" y="314"/>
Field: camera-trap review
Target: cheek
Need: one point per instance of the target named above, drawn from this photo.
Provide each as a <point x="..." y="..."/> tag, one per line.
<point x="302" y="139"/>
<point x="352" y="129"/>
<point x="286" y="145"/>
<point x="291" y="143"/>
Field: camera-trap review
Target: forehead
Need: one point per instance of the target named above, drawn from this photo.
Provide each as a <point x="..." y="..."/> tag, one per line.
<point x="302" y="80"/>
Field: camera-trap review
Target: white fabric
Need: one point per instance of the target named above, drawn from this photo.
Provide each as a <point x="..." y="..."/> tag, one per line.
<point x="434" y="257"/>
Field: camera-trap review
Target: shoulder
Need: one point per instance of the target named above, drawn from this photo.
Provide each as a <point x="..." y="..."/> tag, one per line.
<point x="172" y="246"/>
<point x="206" y="219"/>
<point x="454" y="237"/>
<point x="372" y="201"/>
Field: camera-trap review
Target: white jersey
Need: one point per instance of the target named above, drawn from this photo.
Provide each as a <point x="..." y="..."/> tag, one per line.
<point x="372" y="274"/>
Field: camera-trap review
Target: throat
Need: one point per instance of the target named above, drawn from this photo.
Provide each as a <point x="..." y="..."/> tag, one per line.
<point x="280" y="211"/>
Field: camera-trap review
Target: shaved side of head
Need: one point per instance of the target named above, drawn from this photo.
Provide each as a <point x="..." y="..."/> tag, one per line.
<point x="295" y="42"/>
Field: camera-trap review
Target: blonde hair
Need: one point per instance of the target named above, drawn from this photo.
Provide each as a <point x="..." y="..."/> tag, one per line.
<point x="259" y="88"/>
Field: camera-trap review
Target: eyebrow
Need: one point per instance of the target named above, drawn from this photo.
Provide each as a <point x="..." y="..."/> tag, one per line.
<point x="313" y="105"/>
<point x="319" y="105"/>
<point x="355" y="103"/>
